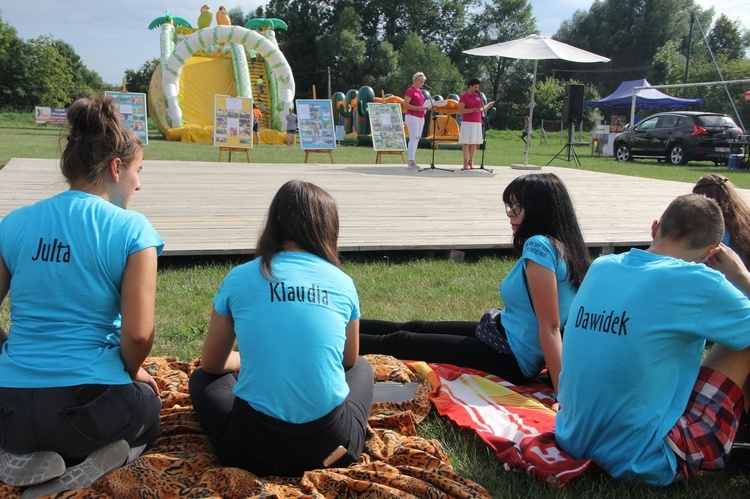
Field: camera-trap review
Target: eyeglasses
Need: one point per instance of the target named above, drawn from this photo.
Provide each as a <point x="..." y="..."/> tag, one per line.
<point x="514" y="208"/>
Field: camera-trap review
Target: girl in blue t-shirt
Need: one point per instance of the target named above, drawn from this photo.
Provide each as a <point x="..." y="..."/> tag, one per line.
<point x="734" y="208"/>
<point x="80" y="270"/>
<point x="295" y="395"/>
<point x="517" y="342"/>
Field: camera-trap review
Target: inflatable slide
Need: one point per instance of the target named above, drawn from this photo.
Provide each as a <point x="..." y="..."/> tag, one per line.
<point x="198" y="63"/>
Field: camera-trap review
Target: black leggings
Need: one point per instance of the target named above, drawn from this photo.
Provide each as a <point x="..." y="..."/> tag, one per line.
<point x="248" y="439"/>
<point x="448" y="342"/>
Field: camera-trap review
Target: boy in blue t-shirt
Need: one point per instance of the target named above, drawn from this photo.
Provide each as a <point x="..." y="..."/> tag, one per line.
<point x="634" y="395"/>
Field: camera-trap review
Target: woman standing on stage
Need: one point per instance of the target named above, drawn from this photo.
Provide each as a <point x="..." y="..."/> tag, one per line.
<point x="414" y="104"/>
<point x="471" y="106"/>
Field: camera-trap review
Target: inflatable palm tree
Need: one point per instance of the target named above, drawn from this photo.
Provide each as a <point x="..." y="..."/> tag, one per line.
<point x="168" y="18"/>
<point x="266" y="27"/>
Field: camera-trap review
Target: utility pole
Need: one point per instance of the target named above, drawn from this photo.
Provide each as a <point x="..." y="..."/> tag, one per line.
<point x="329" y="82"/>
<point x="689" y="48"/>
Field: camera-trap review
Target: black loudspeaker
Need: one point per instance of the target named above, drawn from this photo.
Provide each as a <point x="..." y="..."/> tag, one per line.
<point x="573" y="106"/>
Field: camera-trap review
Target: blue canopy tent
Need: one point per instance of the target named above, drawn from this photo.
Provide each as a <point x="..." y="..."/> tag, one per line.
<point x="646" y="98"/>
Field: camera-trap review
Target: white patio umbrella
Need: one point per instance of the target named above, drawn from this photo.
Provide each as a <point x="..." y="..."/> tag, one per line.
<point x="536" y="48"/>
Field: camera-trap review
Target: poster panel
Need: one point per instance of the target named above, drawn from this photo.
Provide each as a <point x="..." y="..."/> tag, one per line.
<point x="50" y="115"/>
<point x="132" y="109"/>
<point x="387" y="125"/>
<point x="316" y="129"/>
<point x="233" y="121"/>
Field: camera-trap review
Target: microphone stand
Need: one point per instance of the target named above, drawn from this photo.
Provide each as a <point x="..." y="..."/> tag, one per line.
<point x="485" y="122"/>
<point x="434" y="131"/>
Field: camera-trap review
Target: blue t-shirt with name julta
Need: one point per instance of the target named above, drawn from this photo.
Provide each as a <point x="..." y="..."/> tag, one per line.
<point x="291" y="333"/>
<point x="66" y="256"/>
<point x="632" y="350"/>
<point x="518" y="317"/>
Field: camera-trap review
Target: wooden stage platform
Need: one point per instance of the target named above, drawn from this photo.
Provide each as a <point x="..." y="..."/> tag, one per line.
<point x="218" y="208"/>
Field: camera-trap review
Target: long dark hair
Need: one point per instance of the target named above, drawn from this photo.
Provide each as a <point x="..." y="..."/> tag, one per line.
<point x="734" y="208"/>
<point x="304" y="214"/>
<point x="548" y="211"/>
<point x="96" y="137"/>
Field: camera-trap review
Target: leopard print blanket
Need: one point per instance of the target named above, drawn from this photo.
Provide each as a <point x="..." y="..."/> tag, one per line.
<point x="182" y="462"/>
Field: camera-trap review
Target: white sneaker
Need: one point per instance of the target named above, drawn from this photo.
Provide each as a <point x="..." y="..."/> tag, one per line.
<point x="413" y="164"/>
<point x="81" y="476"/>
<point x="20" y="470"/>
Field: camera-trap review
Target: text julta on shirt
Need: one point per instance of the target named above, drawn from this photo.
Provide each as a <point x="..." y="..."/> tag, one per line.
<point x="57" y="252"/>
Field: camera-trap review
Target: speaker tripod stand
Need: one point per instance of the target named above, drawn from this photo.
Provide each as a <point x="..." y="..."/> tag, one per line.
<point x="569" y="147"/>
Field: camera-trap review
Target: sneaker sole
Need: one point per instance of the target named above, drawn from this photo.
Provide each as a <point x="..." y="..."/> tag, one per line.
<point x="20" y="470"/>
<point x="81" y="476"/>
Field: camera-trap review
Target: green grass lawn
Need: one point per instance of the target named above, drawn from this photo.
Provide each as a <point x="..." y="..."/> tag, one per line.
<point x="20" y="138"/>
<point x="392" y="288"/>
<point x="402" y="290"/>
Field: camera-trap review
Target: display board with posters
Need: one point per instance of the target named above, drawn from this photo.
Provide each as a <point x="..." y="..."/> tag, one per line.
<point x="387" y="125"/>
<point x="132" y="109"/>
<point x="50" y="115"/>
<point x="315" y="121"/>
<point x="233" y="122"/>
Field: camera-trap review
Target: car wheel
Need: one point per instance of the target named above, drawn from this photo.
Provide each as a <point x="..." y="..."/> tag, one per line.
<point x="677" y="155"/>
<point x="622" y="153"/>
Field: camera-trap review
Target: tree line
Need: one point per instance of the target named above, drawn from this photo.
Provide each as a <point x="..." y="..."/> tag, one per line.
<point x="381" y="44"/>
<point x="42" y="71"/>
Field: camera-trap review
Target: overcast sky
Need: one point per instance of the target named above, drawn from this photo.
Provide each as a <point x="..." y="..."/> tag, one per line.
<point x="112" y="35"/>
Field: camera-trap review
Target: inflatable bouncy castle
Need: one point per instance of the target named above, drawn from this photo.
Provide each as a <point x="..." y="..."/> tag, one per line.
<point x="198" y="63"/>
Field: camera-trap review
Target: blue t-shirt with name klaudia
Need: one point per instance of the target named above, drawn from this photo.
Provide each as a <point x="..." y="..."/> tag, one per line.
<point x="291" y="333"/>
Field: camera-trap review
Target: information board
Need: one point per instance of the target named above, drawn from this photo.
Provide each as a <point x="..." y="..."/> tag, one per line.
<point x="132" y="109"/>
<point x="50" y="115"/>
<point x="316" y="129"/>
<point x="233" y="122"/>
<point x="387" y="125"/>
